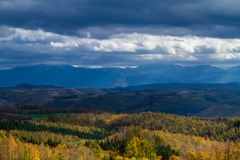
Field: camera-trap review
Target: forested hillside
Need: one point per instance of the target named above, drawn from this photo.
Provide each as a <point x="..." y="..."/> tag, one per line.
<point x="108" y="136"/>
<point x="221" y="129"/>
<point x="202" y="102"/>
<point x="119" y="124"/>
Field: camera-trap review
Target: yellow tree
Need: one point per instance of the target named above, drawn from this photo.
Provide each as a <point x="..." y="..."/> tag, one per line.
<point x="147" y="149"/>
<point x="11" y="148"/>
<point x="173" y="157"/>
<point x="191" y="155"/>
<point x="202" y="156"/>
<point x="3" y="153"/>
<point x="20" y="149"/>
<point x="26" y="152"/>
<point x="34" y="153"/>
<point x="218" y="151"/>
<point x="133" y="148"/>
<point x="236" y="150"/>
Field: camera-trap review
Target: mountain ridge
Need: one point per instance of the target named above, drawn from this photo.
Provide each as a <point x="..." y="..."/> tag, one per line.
<point x="76" y="77"/>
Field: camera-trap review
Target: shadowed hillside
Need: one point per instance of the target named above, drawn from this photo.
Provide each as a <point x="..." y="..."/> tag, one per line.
<point x="204" y="102"/>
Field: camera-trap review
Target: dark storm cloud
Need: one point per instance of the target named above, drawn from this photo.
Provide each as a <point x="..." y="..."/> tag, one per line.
<point x="222" y="17"/>
<point x="105" y="33"/>
<point x="29" y="47"/>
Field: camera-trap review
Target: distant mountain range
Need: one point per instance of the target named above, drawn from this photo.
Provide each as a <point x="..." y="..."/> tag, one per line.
<point x="182" y="85"/>
<point x="73" y="77"/>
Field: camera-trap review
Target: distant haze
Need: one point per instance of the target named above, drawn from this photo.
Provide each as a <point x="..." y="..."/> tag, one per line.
<point x="76" y="77"/>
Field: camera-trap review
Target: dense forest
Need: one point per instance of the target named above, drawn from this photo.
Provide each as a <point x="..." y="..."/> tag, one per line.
<point x="107" y="136"/>
<point x="119" y="124"/>
<point x="194" y="101"/>
<point x="220" y="129"/>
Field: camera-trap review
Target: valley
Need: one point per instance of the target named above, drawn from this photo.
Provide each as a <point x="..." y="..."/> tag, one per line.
<point x="188" y="121"/>
<point x="194" y="101"/>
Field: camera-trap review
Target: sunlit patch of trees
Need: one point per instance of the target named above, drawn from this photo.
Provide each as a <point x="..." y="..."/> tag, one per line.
<point x="45" y="137"/>
<point x="63" y="128"/>
<point x="215" y="129"/>
<point x="11" y="148"/>
<point x="142" y="136"/>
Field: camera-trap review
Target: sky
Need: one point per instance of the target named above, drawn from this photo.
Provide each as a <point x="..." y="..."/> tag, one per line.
<point x="119" y="33"/>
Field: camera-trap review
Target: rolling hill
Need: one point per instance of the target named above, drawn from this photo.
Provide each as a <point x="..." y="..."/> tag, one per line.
<point x="194" y="101"/>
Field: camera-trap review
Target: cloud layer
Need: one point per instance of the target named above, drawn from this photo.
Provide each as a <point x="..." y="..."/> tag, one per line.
<point x="38" y="46"/>
<point x="119" y="33"/>
<point x="216" y="18"/>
